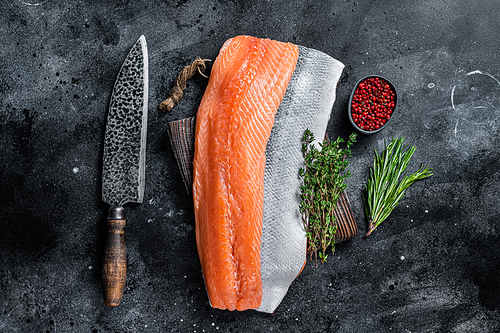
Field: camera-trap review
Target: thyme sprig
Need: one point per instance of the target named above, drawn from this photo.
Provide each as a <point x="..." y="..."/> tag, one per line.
<point x="385" y="187"/>
<point x="324" y="175"/>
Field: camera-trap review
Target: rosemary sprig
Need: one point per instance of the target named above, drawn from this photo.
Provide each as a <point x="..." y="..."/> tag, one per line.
<point x="384" y="187"/>
<point x="323" y="176"/>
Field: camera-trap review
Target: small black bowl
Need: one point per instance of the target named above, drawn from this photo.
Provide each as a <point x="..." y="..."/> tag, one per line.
<point x="349" y="114"/>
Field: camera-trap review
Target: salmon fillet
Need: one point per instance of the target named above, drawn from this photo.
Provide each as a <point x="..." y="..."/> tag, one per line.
<point x="307" y="104"/>
<point x="234" y="120"/>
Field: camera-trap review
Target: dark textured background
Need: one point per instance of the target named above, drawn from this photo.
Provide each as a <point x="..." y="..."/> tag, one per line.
<point x="433" y="266"/>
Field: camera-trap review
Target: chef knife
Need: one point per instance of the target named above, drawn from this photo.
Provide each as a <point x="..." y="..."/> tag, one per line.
<point x="124" y="163"/>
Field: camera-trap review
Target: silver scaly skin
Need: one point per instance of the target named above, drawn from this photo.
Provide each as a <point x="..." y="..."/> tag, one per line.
<point x="307" y="103"/>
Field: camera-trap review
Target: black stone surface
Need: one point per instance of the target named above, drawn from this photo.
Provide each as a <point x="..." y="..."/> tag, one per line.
<point x="433" y="266"/>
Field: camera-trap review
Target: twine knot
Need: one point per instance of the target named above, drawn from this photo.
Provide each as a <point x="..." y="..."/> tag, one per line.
<point x="176" y="93"/>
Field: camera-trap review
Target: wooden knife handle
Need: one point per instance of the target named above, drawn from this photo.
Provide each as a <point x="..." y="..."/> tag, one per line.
<point x="114" y="265"/>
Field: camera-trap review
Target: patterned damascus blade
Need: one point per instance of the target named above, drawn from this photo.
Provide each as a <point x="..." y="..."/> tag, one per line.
<point x="125" y="138"/>
<point x="124" y="163"/>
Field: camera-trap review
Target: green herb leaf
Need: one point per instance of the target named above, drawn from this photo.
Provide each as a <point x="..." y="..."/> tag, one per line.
<point x="323" y="176"/>
<point x="388" y="181"/>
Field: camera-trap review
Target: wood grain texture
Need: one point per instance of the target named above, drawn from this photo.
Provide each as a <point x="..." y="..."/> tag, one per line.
<point x="181" y="135"/>
<point x="346" y="225"/>
<point x="114" y="266"/>
<point x="347" y="228"/>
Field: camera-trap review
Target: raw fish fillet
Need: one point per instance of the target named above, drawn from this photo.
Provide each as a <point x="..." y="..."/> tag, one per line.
<point x="247" y="83"/>
<point x="307" y="103"/>
<point x="181" y="133"/>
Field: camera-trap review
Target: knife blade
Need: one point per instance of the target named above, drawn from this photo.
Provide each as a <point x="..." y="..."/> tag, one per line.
<point x="123" y="174"/>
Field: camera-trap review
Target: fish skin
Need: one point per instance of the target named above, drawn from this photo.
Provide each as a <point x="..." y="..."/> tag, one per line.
<point x="307" y="104"/>
<point x="248" y="81"/>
